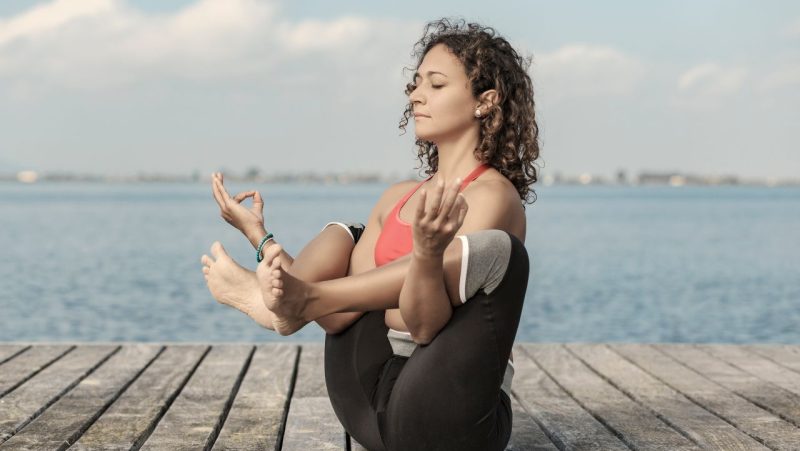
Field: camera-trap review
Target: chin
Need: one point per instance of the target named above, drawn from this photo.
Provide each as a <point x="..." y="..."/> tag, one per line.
<point x="424" y="135"/>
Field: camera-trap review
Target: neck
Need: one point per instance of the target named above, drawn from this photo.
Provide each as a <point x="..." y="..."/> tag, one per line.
<point x="457" y="156"/>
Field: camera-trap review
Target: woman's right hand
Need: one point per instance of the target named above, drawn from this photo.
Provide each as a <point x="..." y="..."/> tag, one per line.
<point x="250" y="221"/>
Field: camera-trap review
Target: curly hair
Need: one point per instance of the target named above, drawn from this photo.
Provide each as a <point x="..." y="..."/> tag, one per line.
<point x="509" y="135"/>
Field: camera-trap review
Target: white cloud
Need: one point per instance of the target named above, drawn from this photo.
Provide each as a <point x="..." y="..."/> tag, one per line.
<point x="579" y="70"/>
<point x="709" y="85"/>
<point x="93" y="44"/>
<point x="711" y="79"/>
<point x="45" y="18"/>
<point x="793" y="29"/>
<point x="318" y="35"/>
<point x="785" y="76"/>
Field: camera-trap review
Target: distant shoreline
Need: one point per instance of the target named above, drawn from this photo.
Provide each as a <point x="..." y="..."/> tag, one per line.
<point x="621" y="179"/>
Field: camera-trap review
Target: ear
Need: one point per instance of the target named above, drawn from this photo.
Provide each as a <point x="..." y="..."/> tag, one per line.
<point x="489" y="98"/>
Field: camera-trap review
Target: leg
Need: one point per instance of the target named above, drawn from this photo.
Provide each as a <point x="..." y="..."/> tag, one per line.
<point x="377" y="289"/>
<point x="355" y="362"/>
<point x="448" y="395"/>
<point x="336" y="245"/>
<point x="235" y="286"/>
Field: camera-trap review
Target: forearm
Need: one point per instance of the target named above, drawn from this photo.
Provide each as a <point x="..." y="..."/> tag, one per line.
<point x="424" y="303"/>
<point x="378" y="288"/>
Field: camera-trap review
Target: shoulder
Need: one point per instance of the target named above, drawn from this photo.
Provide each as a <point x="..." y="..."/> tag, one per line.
<point x="494" y="203"/>
<point x="493" y="190"/>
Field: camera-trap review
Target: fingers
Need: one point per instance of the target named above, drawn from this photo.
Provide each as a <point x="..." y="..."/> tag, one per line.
<point x="433" y="206"/>
<point x="450" y="196"/>
<point x="223" y="194"/>
<point x="420" y="213"/>
<point x="215" y="191"/>
<point x="243" y="195"/>
<point x="462" y="209"/>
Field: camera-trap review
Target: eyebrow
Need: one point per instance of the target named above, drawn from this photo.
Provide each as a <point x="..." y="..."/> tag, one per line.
<point x="416" y="74"/>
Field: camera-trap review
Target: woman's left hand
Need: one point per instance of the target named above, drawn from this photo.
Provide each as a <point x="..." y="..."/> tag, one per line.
<point x="438" y="218"/>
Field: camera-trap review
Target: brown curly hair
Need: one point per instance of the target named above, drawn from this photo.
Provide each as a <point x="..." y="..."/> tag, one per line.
<point x="509" y="136"/>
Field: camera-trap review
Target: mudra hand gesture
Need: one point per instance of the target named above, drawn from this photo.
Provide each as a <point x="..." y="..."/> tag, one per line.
<point x="250" y="221"/>
<point x="439" y="216"/>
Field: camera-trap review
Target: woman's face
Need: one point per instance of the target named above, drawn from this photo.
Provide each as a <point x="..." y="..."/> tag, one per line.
<point x="443" y="95"/>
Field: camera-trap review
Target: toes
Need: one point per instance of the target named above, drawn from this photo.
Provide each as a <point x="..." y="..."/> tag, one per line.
<point x="217" y="250"/>
<point x="277" y="283"/>
<point x="272" y="252"/>
<point x="206" y="269"/>
<point x="206" y="260"/>
<point x="274" y="265"/>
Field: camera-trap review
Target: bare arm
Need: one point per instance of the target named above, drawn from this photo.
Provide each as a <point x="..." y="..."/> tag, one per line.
<point x="424" y="302"/>
<point x="379" y="288"/>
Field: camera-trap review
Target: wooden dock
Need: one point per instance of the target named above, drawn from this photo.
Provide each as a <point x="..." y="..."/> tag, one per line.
<point x="572" y="396"/>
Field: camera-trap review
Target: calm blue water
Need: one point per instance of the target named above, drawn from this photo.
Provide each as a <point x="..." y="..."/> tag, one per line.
<point x="111" y="262"/>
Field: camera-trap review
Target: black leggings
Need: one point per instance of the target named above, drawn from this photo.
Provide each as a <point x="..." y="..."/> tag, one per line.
<point x="446" y="395"/>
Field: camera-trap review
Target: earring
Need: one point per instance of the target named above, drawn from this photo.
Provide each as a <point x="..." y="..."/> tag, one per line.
<point x="477" y="112"/>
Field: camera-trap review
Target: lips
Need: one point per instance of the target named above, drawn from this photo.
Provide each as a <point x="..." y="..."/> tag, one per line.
<point x="420" y="115"/>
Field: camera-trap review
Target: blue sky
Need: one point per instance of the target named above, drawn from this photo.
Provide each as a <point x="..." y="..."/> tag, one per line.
<point x="121" y="87"/>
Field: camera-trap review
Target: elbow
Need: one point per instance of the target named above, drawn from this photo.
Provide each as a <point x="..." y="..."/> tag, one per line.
<point x="421" y="340"/>
<point x="426" y="332"/>
<point x="424" y="337"/>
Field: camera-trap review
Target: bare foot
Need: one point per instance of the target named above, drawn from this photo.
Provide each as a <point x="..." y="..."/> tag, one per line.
<point x="235" y="286"/>
<point x="283" y="294"/>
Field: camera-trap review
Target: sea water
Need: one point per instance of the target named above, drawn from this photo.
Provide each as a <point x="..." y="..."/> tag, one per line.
<point x="121" y="262"/>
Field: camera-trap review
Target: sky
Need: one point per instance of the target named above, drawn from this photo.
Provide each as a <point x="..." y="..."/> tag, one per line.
<point x="121" y="87"/>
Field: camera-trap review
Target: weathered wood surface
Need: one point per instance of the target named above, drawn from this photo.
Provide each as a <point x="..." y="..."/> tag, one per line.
<point x="576" y="396"/>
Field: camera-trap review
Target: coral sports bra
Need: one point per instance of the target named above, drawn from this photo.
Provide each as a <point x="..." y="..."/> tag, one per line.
<point x="396" y="239"/>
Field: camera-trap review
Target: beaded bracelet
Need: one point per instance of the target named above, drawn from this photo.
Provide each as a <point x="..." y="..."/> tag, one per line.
<point x="266" y="238"/>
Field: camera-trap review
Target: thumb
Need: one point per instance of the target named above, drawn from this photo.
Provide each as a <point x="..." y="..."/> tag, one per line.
<point x="258" y="202"/>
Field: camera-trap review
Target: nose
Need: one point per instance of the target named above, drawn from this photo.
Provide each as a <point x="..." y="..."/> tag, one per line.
<point x="415" y="97"/>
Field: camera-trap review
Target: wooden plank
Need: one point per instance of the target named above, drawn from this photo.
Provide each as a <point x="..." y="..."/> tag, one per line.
<point x="194" y="419"/>
<point x="310" y="381"/>
<point x="63" y="422"/>
<point x="564" y="421"/>
<point x="18" y="370"/>
<point x="256" y="417"/>
<point x="637" y="426"/>
<point x="760" y="417"/>
<point x="26" y="402"/>
<point x="311" y="423"/>
<point x="526" y="435"/>
<point x="708" y="430"/>
<point x="683" y="413"/>
<point x="756" y="365"/>
<point x="786" y="355"/>
<point x="9" y="351"/>
<point x="354" y="445"/>
<point x="134" y="415"/>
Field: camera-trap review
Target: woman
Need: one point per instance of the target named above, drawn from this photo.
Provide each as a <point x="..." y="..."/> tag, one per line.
<point x="419" y="326"/>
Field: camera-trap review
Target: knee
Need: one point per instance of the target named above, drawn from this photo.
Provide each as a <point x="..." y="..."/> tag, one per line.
<point x="519" y="254"/>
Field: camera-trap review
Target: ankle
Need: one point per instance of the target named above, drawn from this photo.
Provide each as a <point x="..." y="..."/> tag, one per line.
<point x="313" y="309"/>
